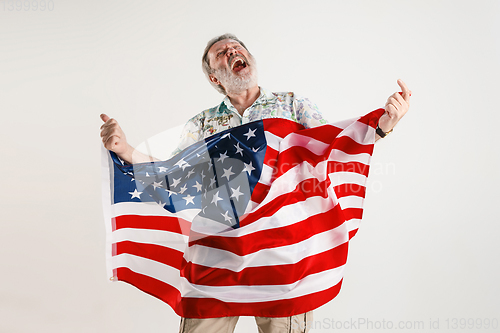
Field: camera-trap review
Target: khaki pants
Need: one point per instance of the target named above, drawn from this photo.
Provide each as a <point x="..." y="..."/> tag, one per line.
<point x="294" y="324"/>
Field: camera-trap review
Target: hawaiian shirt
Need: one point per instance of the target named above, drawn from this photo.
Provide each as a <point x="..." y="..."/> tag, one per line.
<point x="285" y="105"/>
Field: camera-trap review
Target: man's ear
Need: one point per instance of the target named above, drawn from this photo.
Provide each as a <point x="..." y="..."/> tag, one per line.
<point x="214" y="79"/>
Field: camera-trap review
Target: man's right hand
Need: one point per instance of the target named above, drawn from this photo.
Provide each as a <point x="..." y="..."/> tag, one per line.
<point x="114" y="138"/>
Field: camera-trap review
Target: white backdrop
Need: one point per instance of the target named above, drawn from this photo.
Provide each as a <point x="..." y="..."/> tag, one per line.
<point x="426" y="256"/>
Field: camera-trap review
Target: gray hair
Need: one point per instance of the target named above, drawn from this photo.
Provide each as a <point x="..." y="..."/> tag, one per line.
<point x="205" y="62"/>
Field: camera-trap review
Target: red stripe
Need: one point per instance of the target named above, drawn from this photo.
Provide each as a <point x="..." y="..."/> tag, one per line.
<point x="266" y="275"/>
<point x="213" y="308"/>
<point x="353" y="213"/>
<point x="281" y="127"/>
<point x="355" y="167"/>
<point x="352" y="233"/>
<point x="307" y="188"/>
<point x="260" y="192"/>
<point x="326" y="134"/>
<point x="149" y="285"/>
<point x="345" y="190"/>
<point x="165" y="223"/>
<point x="297" y="155"/>
<point x="271" y="156"/>
<point x="165" y="255"/>
<point x="372" y="118"/>
<point x="349" y="146"/>
<point x="273" y="238"/>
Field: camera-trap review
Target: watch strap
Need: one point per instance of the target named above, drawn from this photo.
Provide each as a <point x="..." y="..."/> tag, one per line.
<point x="381" y="133"/>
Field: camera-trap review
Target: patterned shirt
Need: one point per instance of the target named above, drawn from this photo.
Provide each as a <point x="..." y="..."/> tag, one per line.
<point x="269" y="105"/>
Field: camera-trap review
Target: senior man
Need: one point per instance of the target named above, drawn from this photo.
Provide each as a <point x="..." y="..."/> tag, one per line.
<point x="231" y="69"/>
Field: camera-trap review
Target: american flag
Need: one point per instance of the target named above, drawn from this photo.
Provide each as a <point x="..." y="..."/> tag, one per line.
<point x="252" y="221"/>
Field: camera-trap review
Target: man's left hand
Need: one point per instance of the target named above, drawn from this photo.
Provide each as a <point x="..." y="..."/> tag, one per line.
<point x="396" y="107"/>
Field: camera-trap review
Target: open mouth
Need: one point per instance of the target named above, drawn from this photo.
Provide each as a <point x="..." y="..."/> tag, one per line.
<point x="238" y="64"/>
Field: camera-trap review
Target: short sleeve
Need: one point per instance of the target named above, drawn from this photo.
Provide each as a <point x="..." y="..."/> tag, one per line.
<point x="307" y="113"/>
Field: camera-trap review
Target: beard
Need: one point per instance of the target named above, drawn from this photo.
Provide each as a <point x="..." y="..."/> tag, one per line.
<point x="235" y="83"/>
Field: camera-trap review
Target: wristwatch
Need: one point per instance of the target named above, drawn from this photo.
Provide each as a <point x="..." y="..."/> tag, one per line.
<point x="381" y="133"/>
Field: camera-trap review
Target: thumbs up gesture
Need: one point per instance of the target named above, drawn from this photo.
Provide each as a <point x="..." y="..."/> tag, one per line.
<point x="114" y="138"/>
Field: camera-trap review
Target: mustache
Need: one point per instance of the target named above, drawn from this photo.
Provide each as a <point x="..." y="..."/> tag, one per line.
<point x="231" y="58"/>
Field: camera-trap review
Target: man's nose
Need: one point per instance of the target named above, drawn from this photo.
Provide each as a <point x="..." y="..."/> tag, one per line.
<point x="231" y="51"/>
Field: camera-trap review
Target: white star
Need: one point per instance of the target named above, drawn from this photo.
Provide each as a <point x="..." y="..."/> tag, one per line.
<point x="227" y="135"/>
<point x="210" y="164"/>
<point x="238" y="149"/>
<point x="216" y="198"/>
<point x="236" y="193"/>
<point x="136" y="194"/>
<point x="155" y="184"/>
<point x="212" y="182"/>
<point x="205" y="193"/>
<point x="182" y="164"/>
<point x="161" y="204"/>
<point x="198" y="186"/>
<point x="176" y="182"/>
<point x="222" y="157"/>
<point x="183" y="189"/>
<point x="189" y="199"/>
<point x="147" y="174"/>
<point x="248" y="168"/>
<point x="190" y="172"/>
<point x="170" y="193"/>
<point x="162" y="169"/>
<point x="226" y="216"/>
<point x="228" y="173"/>
<point x="255" y="149"/>
<point x="202" y="175"/>
<point x="203" y="210"/>
<point x="250" y="133"/>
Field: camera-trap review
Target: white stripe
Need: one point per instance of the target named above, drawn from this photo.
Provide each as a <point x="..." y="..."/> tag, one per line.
<point x="266" y="175"/>
<point x="150" y="209"/>
<point x="289" y="254"/>
<point x="351" y="201"/>
<point x="344" y="123"/>
<point x="249" y="294"/>
<point x="339" y="178"/>
<point x="340" y="156"/>
<point x="293" y="140"/>
<point x="359" y="132"/>
<point x="285" y="216"/>
<point x="148" y="267"/>
<point x="239" y="294"/>
<point x="288" y="181"/>
<point x="273" y="140"/>
<point x="353" y="224"/>
<point x="157" y="237"/>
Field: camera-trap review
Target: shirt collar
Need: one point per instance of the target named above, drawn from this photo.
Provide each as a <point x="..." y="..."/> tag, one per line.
<point x="264" y="98"/>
